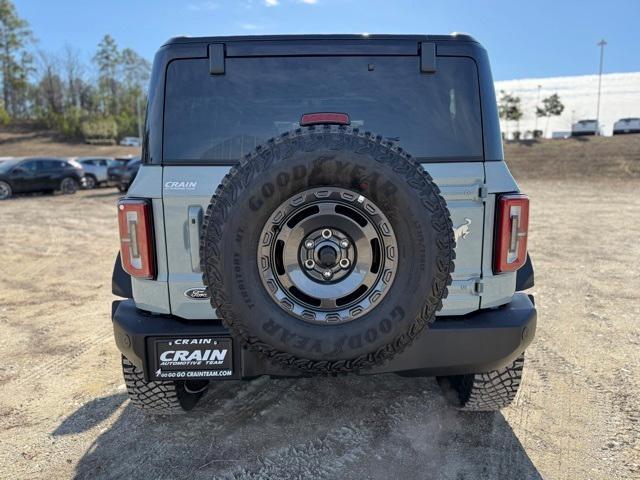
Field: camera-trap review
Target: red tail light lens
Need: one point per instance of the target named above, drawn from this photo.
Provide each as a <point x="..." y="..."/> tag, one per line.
<point x="324" y="117"/>
<point x="512" y="227"/>
<point x="136" y="237"/>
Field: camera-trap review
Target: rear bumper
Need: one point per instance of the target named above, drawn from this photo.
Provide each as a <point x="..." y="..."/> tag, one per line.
<point x="478" y="342"/>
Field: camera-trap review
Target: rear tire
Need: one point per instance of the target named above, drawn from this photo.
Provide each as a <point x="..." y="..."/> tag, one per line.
<point x="68" y="186"/>
<point x="5" y="191"/>
<point x="160" y="398"/>
<point x="90" y="182"/>
<point x="484" y="392"/>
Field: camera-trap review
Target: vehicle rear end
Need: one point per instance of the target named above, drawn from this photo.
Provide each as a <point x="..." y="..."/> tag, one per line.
<point x="215" y="103"/>
<point x="584" y="127"/>
<point x="626" y="126"/>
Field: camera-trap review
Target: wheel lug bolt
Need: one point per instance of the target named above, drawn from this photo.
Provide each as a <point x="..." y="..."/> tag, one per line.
<point x="309" y="244"/>
<point x="309" y="263"/>
<point x="344" y="243"/>
<point x="326" y="233"/>
<point x="344" y="263"/>
<point x="327" y="274"/>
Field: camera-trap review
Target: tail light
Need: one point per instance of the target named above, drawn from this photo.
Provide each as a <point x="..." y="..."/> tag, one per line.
<point x="136" y="237"/>
<point x="512" y="226"/>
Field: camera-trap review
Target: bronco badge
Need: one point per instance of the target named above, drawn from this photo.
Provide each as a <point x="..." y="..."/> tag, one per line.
<point x="197" y="293"/>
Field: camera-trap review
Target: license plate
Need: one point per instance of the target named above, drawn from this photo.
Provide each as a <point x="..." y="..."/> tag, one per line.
<point x="192" y="358"/>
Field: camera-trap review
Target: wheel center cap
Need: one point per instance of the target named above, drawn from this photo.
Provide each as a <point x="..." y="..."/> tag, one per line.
<point x="328" y="256"/>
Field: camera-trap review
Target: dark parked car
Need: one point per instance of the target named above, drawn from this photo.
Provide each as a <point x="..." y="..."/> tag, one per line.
<point x="129" y="174"/>
<point x="39" y="175"/>
<point x="116" y="169"/>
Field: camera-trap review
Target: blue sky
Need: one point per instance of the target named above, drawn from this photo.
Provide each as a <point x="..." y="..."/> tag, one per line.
<point x="525" y="39"/>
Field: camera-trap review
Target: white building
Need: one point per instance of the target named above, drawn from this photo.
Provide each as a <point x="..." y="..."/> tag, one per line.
<point x="620" y="98"/>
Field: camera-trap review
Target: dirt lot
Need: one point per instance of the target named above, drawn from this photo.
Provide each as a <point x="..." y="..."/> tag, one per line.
<point x="64" y="413"/>
<point x="22" y="141"/>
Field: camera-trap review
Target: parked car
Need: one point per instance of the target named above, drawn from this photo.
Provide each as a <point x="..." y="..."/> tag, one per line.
<point x="130" y="142"/>
<point x="129" y="174"/>
<point x="95" y="170"/>
<point x="584" y="127"/>
<point x="246" y="250"/>
<point x="560" y="134"/>
<point x="116" y="169"/>
<point x="626" y="125"/>
<point x="39" y="175"/>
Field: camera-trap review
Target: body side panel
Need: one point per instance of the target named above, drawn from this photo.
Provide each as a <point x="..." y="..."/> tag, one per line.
<point x="152" y="295"/>
<point x="496" y="289"/>
<point x="186" y="188"/>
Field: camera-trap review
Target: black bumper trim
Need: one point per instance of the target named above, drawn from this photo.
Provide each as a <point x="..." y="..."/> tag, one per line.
<point x="478" y="342"/>
<point x="120" y="281"/>
<point x="525" y="276"/>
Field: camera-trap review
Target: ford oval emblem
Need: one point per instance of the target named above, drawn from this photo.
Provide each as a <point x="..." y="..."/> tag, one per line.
<point x="197" y="293"/>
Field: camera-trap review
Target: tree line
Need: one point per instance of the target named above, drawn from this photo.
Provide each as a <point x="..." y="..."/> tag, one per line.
<point x="510" y="110"/>
<point x="100" y="101"/>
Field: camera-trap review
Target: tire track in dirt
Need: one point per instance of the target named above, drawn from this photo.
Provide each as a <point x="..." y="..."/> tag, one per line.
<point x="564" y="366"/>
<point x="98" y="337"/>
<point x="325" y="455"/>
<point x="320" y="458"/>
<point x="623" y="440"/>
<point x="49" y="256"/>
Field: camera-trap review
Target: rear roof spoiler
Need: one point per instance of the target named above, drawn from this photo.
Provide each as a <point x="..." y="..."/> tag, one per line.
<point x="218" y="51"/>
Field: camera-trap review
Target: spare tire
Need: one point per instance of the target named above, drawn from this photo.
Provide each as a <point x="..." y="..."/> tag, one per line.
<point x="327" y="249"/>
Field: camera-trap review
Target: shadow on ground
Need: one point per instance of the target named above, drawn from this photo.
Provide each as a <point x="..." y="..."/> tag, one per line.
<point x="90" y="414"/>
<point x="347" y="427"/>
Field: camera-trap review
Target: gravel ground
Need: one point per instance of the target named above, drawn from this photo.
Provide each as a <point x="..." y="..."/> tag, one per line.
<point x="64" y="412"/>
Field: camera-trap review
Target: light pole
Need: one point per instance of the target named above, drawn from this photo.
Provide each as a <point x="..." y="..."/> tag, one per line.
<point x="535" y="128"/>
<point x="601" y="44"/>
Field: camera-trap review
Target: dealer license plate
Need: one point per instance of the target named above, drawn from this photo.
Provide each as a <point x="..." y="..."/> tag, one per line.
<point x="192" y="358"/>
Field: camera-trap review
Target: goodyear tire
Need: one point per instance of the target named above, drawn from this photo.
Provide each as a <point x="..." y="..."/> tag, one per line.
<point x="327" y="250"/>
<point x="484" y="392"/>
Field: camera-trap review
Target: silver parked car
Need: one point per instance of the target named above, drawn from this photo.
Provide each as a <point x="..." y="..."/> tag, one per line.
<point x="131" y="142"/>
<point x="95" y="170"/>
<point x="626" y="125"/>
<point x="585" y="127"/>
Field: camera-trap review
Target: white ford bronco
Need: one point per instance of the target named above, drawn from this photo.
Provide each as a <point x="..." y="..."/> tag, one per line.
<point x="317" y="205"/>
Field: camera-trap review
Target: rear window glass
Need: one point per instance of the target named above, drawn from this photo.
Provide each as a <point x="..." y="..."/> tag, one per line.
<point x="220" y="118"/>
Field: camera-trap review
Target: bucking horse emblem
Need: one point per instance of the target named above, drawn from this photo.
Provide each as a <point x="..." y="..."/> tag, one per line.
<point x="463" y="230"/>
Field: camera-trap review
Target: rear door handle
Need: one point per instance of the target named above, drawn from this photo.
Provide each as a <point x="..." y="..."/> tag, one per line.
<point x="194" y="225"/>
